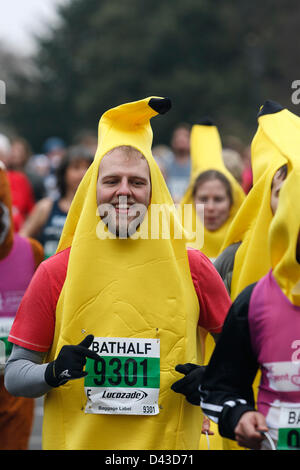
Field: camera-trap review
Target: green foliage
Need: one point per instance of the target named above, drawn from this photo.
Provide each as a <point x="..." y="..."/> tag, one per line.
<point x="217" y="58"/>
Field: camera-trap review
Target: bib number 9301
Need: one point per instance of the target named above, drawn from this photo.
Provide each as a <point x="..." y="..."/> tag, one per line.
<point x="126" y="378"/>
<point x="117" y="371"/>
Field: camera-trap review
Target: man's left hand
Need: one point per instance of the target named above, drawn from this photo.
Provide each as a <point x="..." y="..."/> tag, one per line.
<point x="189" y="385"/>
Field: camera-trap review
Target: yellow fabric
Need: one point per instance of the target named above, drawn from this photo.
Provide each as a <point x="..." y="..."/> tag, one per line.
<point x="283" y="128"/>
<point x="206" y="154"/>
<point x="284" y="232"/>
<point x="139" y="288"/>
<point x="251" y="224"/>
<point x="269" y="241"/>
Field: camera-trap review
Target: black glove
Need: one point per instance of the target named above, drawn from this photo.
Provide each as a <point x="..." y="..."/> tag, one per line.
<point x="69" y="363"/>
<point x="189" y="385"/>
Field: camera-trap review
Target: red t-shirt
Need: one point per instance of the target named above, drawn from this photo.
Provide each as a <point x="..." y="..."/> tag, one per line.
<point x="22" y="197"/>
<point x="34" y="324"/>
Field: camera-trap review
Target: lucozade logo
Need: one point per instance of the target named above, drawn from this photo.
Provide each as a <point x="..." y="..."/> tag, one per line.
<point x="136" y="395"/>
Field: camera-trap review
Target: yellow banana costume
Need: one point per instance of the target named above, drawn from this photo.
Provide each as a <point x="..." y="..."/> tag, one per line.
<point x="251" y="224"/>
<point x="272" y="147"/>
<point x="124" y="288"/>
<point x="206" y="154"/>
<point x="283" y="233"/>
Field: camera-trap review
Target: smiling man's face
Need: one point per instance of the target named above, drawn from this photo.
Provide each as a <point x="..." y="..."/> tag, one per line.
<point x="123" y="185"/>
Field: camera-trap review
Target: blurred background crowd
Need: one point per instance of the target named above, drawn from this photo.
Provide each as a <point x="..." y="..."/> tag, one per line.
<point x="43" y="185"/>
<point x="221" y="59"/>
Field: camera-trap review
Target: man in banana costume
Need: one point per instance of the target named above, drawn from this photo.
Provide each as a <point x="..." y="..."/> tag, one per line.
<point x="123" y="299"/>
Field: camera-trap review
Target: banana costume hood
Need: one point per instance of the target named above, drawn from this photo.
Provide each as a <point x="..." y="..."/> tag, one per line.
<point x="284" y="233"/>
<point x="252" y="222"/>
<point x="206" y="154"/>
<point x="129" y="289"/>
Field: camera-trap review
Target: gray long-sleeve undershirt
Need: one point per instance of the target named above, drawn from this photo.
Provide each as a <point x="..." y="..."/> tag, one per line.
<point x="24" y="374"/>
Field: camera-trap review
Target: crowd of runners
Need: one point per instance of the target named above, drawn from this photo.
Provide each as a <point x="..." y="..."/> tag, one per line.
<point x="151" y="294"/>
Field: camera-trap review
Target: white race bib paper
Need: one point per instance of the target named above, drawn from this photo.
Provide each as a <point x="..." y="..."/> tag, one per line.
<point x="126" y="379"/>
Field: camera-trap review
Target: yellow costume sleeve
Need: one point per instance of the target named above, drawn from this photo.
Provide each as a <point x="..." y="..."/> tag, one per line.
<point x="133" y="288"/>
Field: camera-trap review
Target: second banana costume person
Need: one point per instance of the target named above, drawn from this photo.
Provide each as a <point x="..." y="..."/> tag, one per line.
<point x="206" y="154"/>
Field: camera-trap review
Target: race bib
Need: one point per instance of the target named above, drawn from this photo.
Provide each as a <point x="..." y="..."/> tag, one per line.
<point x="289" y="429"/>
<point x="126" y="379"/>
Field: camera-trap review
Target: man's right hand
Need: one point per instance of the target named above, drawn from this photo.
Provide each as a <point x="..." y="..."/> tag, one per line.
<point x="248" y="432"/>
<point x="70" y="362"/>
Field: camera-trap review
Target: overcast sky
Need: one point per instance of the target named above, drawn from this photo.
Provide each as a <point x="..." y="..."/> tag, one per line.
<point x="19" y="18"/>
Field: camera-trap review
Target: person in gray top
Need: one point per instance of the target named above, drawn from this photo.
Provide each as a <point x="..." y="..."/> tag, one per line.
<point x="224" y="264"/>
